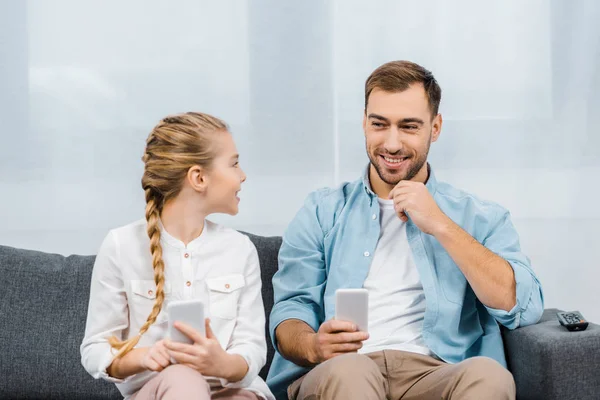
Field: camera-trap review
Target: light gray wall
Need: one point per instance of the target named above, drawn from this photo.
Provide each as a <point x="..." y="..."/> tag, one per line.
<point x="82" y="83"/>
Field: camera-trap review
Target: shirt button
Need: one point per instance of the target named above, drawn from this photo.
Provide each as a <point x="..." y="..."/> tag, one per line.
<point x="227" y="286"/>
<point x="367" y="254"/>
<point x="374" y="216"/>
<point x="186" y="255"/>
<point x="188" y="284"/>
<point x="150" y="292"/>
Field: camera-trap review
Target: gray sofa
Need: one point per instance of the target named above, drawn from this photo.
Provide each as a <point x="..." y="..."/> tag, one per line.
<point x="43" y="305"/>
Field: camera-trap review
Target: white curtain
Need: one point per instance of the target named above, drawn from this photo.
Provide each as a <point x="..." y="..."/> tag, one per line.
<point x="82" y="84"/>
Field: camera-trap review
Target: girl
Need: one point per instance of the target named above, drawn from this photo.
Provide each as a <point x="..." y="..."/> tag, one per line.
<point x="191" y="170"/>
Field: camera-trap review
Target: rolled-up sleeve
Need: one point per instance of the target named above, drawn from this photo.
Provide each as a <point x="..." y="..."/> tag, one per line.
<point x="107" y="312"/>
<point x="300" y="280"/>
<point x="504" y="241"/>
<point x="248" y="339"/>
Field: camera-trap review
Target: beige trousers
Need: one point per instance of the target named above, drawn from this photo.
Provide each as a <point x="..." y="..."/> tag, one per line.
<point x="182" y="383"/>
<point x="393" y="375"/>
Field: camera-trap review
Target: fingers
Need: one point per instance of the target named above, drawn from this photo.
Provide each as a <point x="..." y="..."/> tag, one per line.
<point x="161" y="359"/>
<point x="155" y="361"/>
<point x="182" y="358"/>
<point x="402" y="203"/>
<point x="334" y="325"/>
<point x="404" y="187"/>
<point x="347" y="337"/>
<point x="403" y="216"/>
<point x="190" y="332"/>
<point x="171" y="346"/>
<point x="402" y="197"/>
<point x="208" y="329"/>
<point x="400" y="191"/>
<point x="153" y="365"/>
<point x="346" y="347"/>
<point x="162" y="349"/>
<point x="401" y="207"/>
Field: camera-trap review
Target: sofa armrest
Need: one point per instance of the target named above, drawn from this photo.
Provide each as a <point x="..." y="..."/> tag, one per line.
<point x="548" y="362"/>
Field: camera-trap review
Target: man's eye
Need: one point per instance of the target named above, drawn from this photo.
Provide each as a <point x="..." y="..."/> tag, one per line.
<point x="377" y="124"/>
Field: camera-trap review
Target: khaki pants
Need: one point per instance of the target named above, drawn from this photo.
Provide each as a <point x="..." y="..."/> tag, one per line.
<point x="182" y="383"/>
<point x="393" y="375"/>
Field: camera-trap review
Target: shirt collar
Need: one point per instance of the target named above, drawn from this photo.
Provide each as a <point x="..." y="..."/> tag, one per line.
<point x="172" y="241"/>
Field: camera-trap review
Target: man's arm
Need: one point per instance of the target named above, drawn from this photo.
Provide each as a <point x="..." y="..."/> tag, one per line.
<point x="296" y="342"/>
<point x="499" y="273"/>
<point x="503" y="240"/>
<point x="300" y="344"/>
<point x="299" y="282"/>
<point x="296" y="323"/>
<point x="491" y="276"/>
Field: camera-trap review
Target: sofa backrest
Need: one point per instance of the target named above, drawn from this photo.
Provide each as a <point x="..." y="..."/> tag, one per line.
<point x="43" y="307"/>
<point x="268" y="250"/>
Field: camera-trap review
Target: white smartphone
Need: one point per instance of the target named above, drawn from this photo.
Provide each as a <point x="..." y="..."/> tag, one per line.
<point x="353" y="305"/>
<point x="190" y="312"/>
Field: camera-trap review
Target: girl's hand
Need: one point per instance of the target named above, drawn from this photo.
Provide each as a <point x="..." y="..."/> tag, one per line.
<point x="206" y="354"/>
<point x="156" y="357"/>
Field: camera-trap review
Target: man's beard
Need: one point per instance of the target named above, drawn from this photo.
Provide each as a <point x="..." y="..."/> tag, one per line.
<point x="413" y="170"/>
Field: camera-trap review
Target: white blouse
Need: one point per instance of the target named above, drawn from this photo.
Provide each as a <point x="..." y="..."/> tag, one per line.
<point x="220" y="267"/>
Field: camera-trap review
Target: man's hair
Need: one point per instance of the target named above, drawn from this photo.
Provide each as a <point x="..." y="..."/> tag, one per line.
<point x="397" y="76"/>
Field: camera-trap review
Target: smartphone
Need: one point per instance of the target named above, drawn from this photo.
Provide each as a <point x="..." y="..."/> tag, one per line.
<point x="353" y="305"/>
<point x="190" y="312"/>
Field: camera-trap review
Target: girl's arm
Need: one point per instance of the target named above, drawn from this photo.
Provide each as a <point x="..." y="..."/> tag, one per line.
<point x="129" y="364"/>
<point x="107" y="312"/>
<point x="248" y="338"/>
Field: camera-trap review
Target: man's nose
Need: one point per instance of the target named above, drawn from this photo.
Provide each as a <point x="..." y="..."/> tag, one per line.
<point x="393" y="142"/>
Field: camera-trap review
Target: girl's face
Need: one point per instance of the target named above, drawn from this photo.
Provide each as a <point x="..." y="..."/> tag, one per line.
<point x="225" y="178"/>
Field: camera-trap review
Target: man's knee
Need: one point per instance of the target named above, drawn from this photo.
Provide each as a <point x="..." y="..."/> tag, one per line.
<point x="352" y="367"/>
<point x="341" y="375"/>
<point x="487" y="373"/>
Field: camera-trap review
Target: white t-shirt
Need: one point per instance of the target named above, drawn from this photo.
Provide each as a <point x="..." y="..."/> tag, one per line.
<point x="220" y="267"/>
<point x="396" y="297"/>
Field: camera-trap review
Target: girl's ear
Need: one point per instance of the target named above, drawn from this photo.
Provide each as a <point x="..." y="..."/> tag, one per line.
<point x="197" y="178"/>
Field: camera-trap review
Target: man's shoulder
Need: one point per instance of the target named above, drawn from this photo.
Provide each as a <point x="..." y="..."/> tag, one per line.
<point x="451" y="196"/>
<point x="329" y="202"/>
<point x="328" y="197"/>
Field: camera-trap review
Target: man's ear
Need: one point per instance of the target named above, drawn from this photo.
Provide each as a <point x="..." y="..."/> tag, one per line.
<point x="197" y="178"/>
<point x="365" y="121"/>
<point x="436" y="127"/>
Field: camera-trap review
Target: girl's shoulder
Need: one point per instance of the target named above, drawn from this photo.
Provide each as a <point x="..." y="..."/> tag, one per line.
<point x="132" y="232"/>
<point x="228" y="236"/>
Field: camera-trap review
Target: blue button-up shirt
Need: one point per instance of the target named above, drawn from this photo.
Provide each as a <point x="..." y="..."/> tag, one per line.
<point x="330" y="244"/>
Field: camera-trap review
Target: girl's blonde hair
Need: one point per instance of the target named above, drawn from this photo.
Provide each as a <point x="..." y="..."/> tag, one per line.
<point x="176" y="144"/>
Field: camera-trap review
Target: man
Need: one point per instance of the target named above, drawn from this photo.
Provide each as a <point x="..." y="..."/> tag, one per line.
<point x="443" y="269"/>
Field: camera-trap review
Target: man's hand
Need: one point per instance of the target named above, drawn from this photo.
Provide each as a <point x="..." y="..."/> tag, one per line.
<point x="414" y="199"/>
<point x="335" y="338"/>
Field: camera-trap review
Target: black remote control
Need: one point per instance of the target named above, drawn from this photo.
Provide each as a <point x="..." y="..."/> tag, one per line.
<point x="572" y="320"/>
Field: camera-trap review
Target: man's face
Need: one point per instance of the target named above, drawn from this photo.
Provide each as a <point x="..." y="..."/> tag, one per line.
<point x="398" y="132"/>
